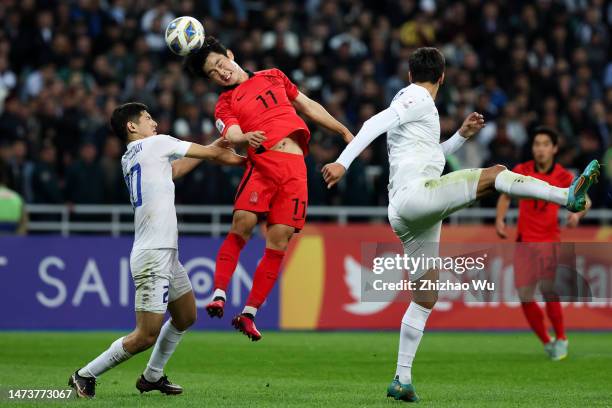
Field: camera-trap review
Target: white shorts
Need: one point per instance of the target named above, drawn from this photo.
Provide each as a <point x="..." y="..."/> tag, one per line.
<point x="416" y="210"/>
<point x="159" y="278"/>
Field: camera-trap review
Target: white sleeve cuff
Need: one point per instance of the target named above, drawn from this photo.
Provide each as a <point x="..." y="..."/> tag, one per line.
<point x="453" y="144"/>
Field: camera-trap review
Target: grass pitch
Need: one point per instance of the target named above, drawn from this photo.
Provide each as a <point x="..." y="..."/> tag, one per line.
<point x="351" y="369"/>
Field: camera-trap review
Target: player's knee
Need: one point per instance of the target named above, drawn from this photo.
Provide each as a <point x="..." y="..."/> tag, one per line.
<point x="428" y="303"/>
<point x="496" y="169"/>
<point x="184" y="323"/>
<point x="279" y="240"/>
<point x="242" y="225"/>
<point x="277" y="244"/>
<point x="143" y="340"/>
<point x="426" y="299"/>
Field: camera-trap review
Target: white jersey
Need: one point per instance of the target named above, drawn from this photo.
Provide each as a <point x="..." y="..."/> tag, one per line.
<point x="413" y="137"/>
<point x="414" y="145"/>
<point x="147" y="170"/>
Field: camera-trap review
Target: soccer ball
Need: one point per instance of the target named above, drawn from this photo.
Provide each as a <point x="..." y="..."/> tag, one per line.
<point x="184" y="34"/>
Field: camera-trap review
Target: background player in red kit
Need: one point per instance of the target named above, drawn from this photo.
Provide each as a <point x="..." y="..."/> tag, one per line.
<point x="260" y="108"/>
<point x="538" y="223"/>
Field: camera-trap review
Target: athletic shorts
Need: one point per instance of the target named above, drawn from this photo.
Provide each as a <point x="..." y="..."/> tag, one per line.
<point x="159" y="278"/>
<point x="535" y="262"/>
<point x="416" y="210"/>
<point x="275" y="184"/>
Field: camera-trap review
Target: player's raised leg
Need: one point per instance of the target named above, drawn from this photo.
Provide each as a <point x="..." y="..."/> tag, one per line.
<point x="503" y="180"/>
<point x="265" y="277"/>
<point x="183" y="315"/>
<point x="243" y="223"/>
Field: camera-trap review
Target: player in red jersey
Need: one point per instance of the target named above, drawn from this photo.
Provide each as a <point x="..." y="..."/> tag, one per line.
<point x="260" y="109"/>
<point x="536" y="264"/>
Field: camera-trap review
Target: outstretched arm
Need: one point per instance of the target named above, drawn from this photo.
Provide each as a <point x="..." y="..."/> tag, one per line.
<point x="317" y="113"/>
<point x="371" y="129"/>
<point x="215" y="151"/>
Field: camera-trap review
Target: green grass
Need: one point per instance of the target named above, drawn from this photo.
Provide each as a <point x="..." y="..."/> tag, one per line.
<point x="352" y="369"/>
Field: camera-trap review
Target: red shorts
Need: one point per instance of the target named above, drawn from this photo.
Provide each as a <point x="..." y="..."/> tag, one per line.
<point x="274" y="183"/>
<point x="534" y="262"/>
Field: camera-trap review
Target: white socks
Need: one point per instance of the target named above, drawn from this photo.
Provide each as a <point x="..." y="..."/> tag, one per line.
<point x="219" y="293"/>
<point x="250" y="309"/>
<point x="521" y="186"/>
<point x="169" y="338"/>
<point x="413" y="324"/>
<point x="112" y="357"/>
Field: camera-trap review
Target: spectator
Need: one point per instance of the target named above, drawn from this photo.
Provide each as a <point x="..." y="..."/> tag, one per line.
<point x="62" y="67"/>
<point x="46" y="186"/>
<point x="115" y="190"/>
<point x="85" y="178"/>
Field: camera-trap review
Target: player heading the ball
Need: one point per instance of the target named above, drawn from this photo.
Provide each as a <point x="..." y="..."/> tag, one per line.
<point x="260" y="109"/>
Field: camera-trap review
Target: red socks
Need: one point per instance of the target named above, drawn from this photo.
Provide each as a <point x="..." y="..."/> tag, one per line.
<point x="227" y="259"/>
<point x="535" y="317"/>
<point x="555" y="315"/>
<point x="266" y="273"/>
<point x="265" y="277"/>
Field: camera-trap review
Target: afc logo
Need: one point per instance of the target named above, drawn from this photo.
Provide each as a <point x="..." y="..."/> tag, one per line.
<point x="254" y="197"/>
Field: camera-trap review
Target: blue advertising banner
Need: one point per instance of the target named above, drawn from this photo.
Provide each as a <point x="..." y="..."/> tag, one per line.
<point x="85" y="282"/>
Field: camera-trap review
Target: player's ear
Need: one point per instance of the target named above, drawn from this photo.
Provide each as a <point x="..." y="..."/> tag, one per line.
<point x="442" y="78"/>
<point x="230" y="55"/>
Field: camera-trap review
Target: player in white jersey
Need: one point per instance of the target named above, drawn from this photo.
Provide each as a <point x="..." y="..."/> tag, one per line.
<point x="419" y="199"/>
<point x="150" y="164"/>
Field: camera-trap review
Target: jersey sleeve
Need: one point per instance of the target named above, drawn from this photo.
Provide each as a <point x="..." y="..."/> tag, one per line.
<point x="409" y="108"/>
<point x="224" y="117"/>
<point x="171" y="147"/>
<point x="291" y="89"/>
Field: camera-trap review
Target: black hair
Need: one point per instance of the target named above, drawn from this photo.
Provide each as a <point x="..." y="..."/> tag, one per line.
<point x="194" y="62"/>
<point x="426" y="64"/>
<point x="545" y="130"/>
<point x="122" y="114"/>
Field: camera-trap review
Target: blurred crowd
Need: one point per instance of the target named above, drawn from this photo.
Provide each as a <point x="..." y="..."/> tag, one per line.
<point x="64" y="66"/>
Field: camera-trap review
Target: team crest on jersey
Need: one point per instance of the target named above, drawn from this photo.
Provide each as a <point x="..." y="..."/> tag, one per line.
<point x="254" y="197"/>
<point x="220" y="125"/>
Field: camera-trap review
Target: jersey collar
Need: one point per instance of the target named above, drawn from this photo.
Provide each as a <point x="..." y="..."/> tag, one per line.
<point x="552" y="168"/>
<point x="249" y="73"/>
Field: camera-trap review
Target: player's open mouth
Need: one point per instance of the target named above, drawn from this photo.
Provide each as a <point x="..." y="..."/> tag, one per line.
<point x="227" y="76"/>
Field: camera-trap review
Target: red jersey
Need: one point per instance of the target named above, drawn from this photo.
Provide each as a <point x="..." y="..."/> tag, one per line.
<point x="537" y="221"/>
<point x="263" y="102"/>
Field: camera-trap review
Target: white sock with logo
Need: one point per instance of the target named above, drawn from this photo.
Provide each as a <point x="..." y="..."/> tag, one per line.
<point x="520" y="186"/>
<point x="413" y="324"/>
<point x="169" y="338"/>
<point x="112" y="357"/>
